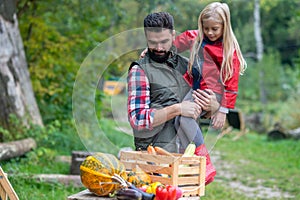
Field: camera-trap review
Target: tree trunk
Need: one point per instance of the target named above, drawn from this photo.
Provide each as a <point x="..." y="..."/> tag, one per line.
<point x="67" y="180"/>
<point x="17" y="148"/>
<point x="257" y="31"/>
<point x="259" y="49"/>
<point x="16" y="93"/>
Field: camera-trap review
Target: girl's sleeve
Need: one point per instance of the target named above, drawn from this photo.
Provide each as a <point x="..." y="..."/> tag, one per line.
<point x="185" y="40"/>
<point x="231" y="86"/>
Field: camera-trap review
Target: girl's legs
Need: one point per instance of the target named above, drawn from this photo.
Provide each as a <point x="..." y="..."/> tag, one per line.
<point x="185" y="137"/>
<point x="189" y="131"/>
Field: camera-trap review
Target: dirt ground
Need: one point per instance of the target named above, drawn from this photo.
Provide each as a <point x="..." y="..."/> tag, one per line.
<point x="226" y="176"/>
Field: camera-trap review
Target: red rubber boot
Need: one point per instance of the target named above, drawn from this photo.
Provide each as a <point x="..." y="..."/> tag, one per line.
<point x="210" y="169"/>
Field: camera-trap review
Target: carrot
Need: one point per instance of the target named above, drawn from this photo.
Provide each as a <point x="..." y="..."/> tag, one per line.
<point x="161" y="151"/>
<point x="151" y="150"/>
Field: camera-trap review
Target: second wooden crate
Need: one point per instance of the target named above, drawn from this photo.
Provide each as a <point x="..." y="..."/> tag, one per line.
<point x="186" y="172"/>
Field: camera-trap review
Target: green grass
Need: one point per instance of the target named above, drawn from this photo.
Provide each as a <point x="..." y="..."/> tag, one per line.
<point x="215" y="191"/>
<point x="28" y="189"/>
<point x="253" y="157"/>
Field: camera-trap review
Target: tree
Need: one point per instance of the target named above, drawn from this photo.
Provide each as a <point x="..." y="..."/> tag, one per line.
<point x="259" y="49"/>
<point x="16" y="93"/>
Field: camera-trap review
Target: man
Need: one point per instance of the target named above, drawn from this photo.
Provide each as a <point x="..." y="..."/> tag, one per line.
<point x="157" y="87"/>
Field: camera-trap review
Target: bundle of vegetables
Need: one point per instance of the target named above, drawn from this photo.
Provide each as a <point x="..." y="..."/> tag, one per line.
<point x="97" y="171"/>
<point x="163" y="192"/>
<point x="129" y="191"/>
<point x="189" y="151"/>
<point x="138" y="177"/>
<point x="148" y="192"/>
<point x="158" y="151"/>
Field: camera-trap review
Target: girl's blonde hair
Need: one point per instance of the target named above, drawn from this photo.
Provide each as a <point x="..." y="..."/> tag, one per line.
<point x="220" y="13"/>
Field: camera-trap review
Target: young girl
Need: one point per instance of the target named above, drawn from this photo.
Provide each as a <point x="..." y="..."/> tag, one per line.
<point x="215" y="63"/>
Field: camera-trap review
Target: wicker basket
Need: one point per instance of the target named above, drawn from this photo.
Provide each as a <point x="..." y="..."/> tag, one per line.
<point x="186" y="172"/>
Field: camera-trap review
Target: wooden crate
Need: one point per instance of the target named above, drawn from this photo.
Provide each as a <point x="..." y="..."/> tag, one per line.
<point x="3" y="194"/>
<point x="6" y="190"/>
<point x="186" y="172"/>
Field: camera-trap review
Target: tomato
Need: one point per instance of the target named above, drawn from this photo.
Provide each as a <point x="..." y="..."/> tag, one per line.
<point x="167" y="192"/>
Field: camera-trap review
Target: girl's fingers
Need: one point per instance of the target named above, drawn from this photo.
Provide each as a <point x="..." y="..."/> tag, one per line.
<point x="209" y="91"/>
<point x="199" y="103"/>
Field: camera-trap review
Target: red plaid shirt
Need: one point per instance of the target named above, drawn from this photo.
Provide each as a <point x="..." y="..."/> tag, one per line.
<point x="139" y="112"/>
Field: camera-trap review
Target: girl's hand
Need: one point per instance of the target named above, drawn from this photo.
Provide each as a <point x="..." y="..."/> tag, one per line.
<point x="206" y="99"/>
<point x="218" y="120"/>
<point x="144" y="53"/>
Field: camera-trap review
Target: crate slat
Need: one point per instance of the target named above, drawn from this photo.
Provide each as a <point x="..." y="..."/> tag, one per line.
<point x="164" y="180"/>
<point x="139" y="156"/>
<point x="188" y="173"/>
<point x="185" y="170"/>
<point x="186" y="180"/>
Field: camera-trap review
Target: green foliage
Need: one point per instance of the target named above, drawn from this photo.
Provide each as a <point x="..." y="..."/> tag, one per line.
<point x="289" y="114"/>
<point x="242" y="25"/>
<point x="280" y="27"/>
<point x="274" y="79"/>
<point x="56" y="44"/>
<point x="16" y="131"/>
<point x="52" y="66"/>
<point x="57" y="41"/>
<point x="127" y="139"/>
<point x="60" y="136"/>
<point x="281" y="83"/>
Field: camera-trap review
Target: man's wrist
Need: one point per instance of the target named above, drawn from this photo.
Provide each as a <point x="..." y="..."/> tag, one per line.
<point x="179" y="109"/>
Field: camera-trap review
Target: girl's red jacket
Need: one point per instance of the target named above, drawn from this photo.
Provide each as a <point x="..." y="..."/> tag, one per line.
<point x="212" y="60"/>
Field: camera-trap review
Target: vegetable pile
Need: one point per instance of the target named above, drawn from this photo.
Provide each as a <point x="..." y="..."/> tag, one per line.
<point x="104" y="175"/>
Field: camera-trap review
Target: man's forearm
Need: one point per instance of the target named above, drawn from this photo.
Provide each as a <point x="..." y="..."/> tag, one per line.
<point x="185" y="108"/>
<point x="165" y="114"/>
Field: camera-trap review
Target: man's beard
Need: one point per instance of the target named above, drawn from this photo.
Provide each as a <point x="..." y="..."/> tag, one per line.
<point x="159" y="58"/>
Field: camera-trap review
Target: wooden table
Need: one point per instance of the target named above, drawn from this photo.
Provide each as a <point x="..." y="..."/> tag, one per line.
<point x="87" y="195"/>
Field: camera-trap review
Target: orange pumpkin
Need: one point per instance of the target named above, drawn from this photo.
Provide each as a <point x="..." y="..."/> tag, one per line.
<point x="96" y="173"/>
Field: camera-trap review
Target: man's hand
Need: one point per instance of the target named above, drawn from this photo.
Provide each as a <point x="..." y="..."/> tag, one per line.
<point x="190" y="109"/>
<point x="207" y="100"/>
<point x="218" y="120"/>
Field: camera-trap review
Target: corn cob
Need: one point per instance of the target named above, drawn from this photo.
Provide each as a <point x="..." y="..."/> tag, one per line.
<point x="190" y="150"/>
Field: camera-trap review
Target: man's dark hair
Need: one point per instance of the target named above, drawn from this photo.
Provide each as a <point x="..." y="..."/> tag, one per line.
<point x="158" y="21"/>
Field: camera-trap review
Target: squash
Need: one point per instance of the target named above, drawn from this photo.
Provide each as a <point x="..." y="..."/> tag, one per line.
<point x="96" y="173"/>
<point x="138" y="177"/>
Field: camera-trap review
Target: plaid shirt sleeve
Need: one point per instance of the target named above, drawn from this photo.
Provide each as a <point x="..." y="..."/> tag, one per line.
<point x="139" y="112"/>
